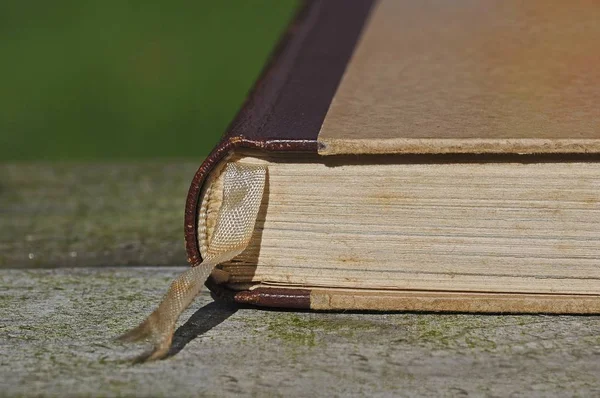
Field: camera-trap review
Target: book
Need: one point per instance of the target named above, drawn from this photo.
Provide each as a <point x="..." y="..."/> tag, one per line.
<point x="422" y="156"/>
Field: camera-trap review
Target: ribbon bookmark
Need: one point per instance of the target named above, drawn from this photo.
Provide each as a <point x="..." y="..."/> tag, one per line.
<point x="243" y="189"/>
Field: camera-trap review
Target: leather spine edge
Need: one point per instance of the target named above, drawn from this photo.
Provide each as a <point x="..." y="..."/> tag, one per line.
<point x="226" y="147"/>
<point x="275" y="297"/>
<point x="234" y="136"/>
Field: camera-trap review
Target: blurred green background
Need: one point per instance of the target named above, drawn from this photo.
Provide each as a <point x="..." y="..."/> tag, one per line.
<point x="118" y="79"/>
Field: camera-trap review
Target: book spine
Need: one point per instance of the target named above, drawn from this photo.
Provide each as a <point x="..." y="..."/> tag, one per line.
<point x="286" y="108"/>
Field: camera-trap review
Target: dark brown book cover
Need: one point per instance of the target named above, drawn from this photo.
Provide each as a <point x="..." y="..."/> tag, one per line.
<point x="285" y="110"/>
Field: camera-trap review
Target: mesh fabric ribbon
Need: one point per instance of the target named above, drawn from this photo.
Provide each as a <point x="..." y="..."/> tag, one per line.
<point x="243" y="187"/>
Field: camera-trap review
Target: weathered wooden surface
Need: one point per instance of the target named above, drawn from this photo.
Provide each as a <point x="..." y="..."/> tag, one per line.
<point x="56" y="328"/>
<point x="57" y="325"/>
<point x="93" y="214"/>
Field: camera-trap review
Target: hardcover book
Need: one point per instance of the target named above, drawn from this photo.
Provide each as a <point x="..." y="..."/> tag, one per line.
<point x="404" y="155"/>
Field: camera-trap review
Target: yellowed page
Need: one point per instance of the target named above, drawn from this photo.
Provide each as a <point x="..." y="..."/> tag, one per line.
<point x="528" y="228"/>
